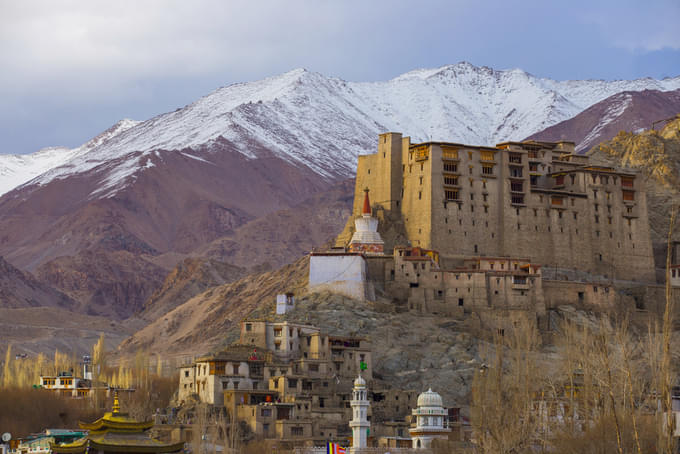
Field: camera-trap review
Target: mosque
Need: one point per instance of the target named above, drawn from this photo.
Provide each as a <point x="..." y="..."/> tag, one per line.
<point x="430" y="417"/>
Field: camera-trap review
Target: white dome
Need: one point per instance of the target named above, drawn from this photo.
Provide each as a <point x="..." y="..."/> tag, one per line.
<point x="429" y="399"/>
<point x="359" y="382"/>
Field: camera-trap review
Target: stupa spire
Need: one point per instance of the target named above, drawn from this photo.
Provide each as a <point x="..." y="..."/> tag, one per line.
<point x="367" y="204"/>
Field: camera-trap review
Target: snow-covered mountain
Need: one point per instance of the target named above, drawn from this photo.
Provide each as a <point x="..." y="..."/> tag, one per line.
<point x="17" y="169"/>
<point x="624" y="111"/>
<point x="323" y="123"/>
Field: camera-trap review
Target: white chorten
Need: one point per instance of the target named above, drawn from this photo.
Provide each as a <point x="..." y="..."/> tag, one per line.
<point x="359" y="423"/>
<point x="431" y="420"/>
<point x="366" y="238"/>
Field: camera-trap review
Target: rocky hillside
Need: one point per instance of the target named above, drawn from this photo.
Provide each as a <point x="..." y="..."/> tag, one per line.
<point x="656" y="153"/>
<point x="625" y="111"/>
<point x="109" y="283"/>
<point x="21" y="289"/>
<point x="410" y="351"/>
<point x="211" y="318"/>
<point x="189" y="278"/>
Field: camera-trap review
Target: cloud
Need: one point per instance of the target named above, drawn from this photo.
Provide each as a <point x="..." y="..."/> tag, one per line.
<point x="72" y="66"/>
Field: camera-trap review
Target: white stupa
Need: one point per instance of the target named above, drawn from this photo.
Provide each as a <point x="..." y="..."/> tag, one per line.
<point x="366" y="238"/>
<point x="431" y="420"/>
<point x="359" y="423"/>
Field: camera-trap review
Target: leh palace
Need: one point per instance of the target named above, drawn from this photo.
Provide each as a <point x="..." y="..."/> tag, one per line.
<point x="483" y="233"/>
<point x="480" y="234"/>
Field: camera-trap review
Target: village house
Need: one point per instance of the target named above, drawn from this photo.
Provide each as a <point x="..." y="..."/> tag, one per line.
<point x="291" y="383"/>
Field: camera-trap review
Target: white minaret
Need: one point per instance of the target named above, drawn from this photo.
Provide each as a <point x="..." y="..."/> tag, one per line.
<point x="359" y="423"/>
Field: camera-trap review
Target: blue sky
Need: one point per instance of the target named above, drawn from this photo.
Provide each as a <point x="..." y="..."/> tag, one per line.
<point x="71" y="69"/>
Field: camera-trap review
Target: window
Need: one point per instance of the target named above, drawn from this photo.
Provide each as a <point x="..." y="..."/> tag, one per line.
<point x="277" y="332"/>
<point x="516" y="172"/>
<point x="516" y="186"/>
<point x="515" y="158"/>
<point x="450" y="154"/>
<point x="296" y="431"/>
<point x="451" y="180"/>
<point x="627" y="182"/>
<point x="559" y="180"/>
<point x="628" y="196"/>
<point x="487" y="169"/>
<point x="487" y="155"/>
<point x="186" y="373"/>
<point x="450" y="167"/>
<point x="518" y="199"/>
<point x="249" y="326"/>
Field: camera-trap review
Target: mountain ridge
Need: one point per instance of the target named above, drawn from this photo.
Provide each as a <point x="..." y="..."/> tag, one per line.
<point x="325" y="122"/>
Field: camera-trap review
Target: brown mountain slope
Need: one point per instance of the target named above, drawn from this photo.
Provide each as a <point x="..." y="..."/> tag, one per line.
<point x="201" y="324"/>
<point x="189" y="278"/>
<point x="20" y="289"/>
<point x="109" y="283"/>
<point x="176" y="203"/>
<point x="625" y="111"/>
<point x="99" y="247"/>
<point x="657" y="155"/>
<point x="278" y="238"/>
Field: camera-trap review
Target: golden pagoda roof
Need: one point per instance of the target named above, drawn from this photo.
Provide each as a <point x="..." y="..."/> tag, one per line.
<point x="117" y="421"/>
<point x="117" y="432"/>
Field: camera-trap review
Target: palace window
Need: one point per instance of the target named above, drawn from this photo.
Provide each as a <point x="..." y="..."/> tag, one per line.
<point x="450" y="167"/>
<point x="487" y="155"/>
<point x="518" y="199"/>
<point x="451" y="181"/>
<point x="515" y="158"/>
<point x="451" y="194"/>
<point x="516" y="172"/>
<point x="559" y="180"/>
<point x="627" y="182"/>
<point x="487" y="169"/>
<point x="516" y="186"/>
<point x="628" y="195"/>
<point x="450" y="154"/>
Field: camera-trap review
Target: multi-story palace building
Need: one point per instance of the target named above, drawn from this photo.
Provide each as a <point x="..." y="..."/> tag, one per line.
<point x="537" y="200"/>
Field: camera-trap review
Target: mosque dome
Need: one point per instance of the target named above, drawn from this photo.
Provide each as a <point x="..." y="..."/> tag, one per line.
<point x="359" y="382"/>
<point x="429" y="399"/>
